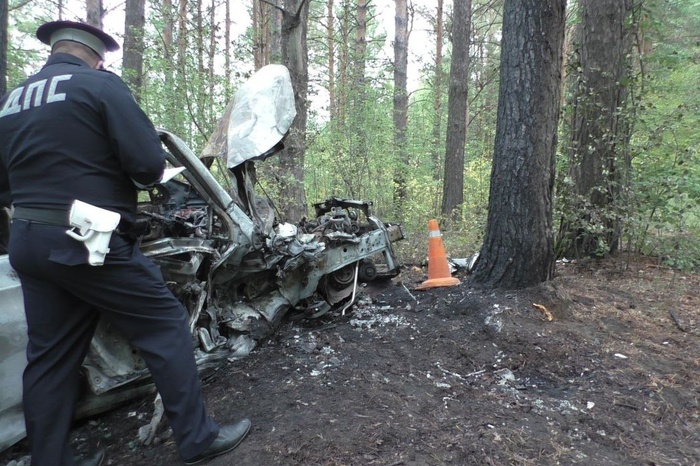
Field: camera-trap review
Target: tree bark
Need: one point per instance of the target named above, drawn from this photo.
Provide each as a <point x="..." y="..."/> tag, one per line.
<point x="94" y="12"/>
<point x="360" y="59"/>
<point x="180" y="75"/>
<point x="453" y="179"/>
<point x="169" y="62"/>
<point x="356" y="100"/>
<point x="167" y="11"/>
<point x="518" y="249"/>
<point x="227" y="50"/>
<point x="211" y="65"/>
<point x="132" y="63"/>
<point x="4" y="6"/>
<point x="599" y="129"/>
<point x="199" y="41"/>
<point x="290" y="172"/>
<point x="344" y="58"/>
<point x="275" y="53"/>
<point x="330" y="43"/>
<point x="437" y="90"/>
<point x="261" y="28"/>
<point x="400" y="104"/>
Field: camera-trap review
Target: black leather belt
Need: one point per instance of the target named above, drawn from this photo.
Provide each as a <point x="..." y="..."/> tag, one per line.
<point x="49" y="216"/>
<point x="58" y="217"/>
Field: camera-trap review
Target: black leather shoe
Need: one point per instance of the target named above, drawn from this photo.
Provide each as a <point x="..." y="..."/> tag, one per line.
<point x="229" y="438"/>
<point x="93" y="460"/>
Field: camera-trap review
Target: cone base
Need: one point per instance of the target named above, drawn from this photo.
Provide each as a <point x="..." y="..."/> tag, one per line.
<point x="438" y="282"/>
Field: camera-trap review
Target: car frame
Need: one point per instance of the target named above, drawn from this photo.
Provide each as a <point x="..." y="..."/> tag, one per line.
<point x="237" y="270"/>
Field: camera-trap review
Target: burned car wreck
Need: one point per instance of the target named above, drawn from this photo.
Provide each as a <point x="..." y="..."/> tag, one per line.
<point x="223" y="252"/>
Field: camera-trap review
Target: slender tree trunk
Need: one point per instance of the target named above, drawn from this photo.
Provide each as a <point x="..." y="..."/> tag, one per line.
<point x="275" y="37"/>
<point x="344" y="59"/>
<point x="180" y="81"/>
<point x="4" y="6"/>
<point x="453" y="180"/>
<point x="182" y="37"/>
<point x="518" y="249"/>
<point x="4" y="213"/>
<point x="360" y="59"/>
<point x="290" y="172"/>
<point x="210" y="61"/>
<point x="257" y="50"/>
<point x="167" y="10"/>
<point x="132" y="63"/>
<point x="227" y="50"/>
<point x="94" y="11"/>
<point x="437" y="90"/>
<point x="400" y="104"/>
<point x="164" y="107"/>
<point x="261" y="20"/>
<point x="199" y="31"/>
<point x="356" y="130"/>
<point x="330" y="43"/>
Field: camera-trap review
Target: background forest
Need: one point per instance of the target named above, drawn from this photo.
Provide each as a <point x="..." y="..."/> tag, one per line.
<point x="398" y="104"/>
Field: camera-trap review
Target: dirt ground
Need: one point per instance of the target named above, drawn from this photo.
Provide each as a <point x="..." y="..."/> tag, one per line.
<point x="597" y="367"/>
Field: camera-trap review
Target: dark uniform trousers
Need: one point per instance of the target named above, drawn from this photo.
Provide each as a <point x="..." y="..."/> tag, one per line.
<point x="64" y="299"/>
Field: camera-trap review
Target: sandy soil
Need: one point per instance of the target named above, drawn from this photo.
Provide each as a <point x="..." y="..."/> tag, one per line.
<point x="597" y="367"/>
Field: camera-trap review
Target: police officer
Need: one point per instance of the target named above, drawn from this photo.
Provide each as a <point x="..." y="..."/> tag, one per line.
<point x="74" y="132"/>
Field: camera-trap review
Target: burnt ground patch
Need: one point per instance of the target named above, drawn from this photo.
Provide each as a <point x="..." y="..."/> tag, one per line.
<point x="462" y="376"/>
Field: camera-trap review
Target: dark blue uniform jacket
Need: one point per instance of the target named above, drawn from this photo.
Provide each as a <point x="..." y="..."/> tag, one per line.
<point x="72" y="132"/>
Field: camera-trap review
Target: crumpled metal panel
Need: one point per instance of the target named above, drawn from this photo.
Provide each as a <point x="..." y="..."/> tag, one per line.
<point x="13" y="347"/>
<point x="248" y="128"/>
<point x="111" y="361"/>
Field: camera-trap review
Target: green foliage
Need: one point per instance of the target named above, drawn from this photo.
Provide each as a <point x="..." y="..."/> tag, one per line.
<point x="354" y="156"/>
<point x="656" y="205"/>
<point x="181" y="92"/>
<point x="24" y="57"/>
<point x="334" y="168"/>
<point x="666" y="143"/>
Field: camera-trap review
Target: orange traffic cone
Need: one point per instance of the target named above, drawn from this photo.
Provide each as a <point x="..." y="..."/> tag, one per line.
<point x="438" y="269"/>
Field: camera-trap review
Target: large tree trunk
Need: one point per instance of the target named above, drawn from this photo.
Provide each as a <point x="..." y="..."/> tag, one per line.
<point x="453" y="180"/>
<point x="599" y="129"/>
<point x="518" y="249"/>
<point x="400" y="105"/>
<point x="132" y="63"/>
<point x="290" y="172"/>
